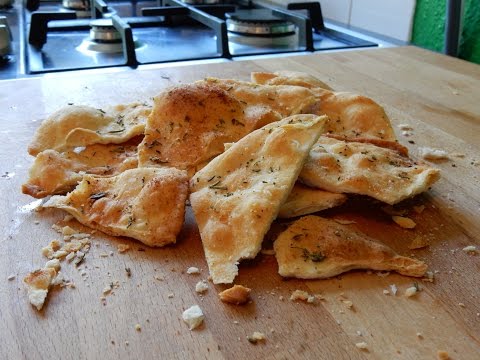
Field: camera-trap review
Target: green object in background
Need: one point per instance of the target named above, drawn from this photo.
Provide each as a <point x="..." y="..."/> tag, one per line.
<point x="429" y="27"/>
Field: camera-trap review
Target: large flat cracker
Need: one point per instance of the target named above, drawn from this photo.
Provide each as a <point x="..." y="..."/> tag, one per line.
<point x="317" y="248"/>
<point x="238" y="194"/>
<point x="147" y="204"/>
<point x="363" y="168"/>
<point x="77" y="125"/>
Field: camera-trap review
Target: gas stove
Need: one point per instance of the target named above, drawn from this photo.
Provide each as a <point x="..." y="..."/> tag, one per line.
<point x="44" y="36"/>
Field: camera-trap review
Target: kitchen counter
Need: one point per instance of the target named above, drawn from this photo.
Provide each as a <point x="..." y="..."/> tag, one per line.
<point x="437" y="95"/>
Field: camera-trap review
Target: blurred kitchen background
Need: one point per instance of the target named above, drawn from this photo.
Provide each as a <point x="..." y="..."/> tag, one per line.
<point x="420" y="22"/>
<point x="47" y="36"/>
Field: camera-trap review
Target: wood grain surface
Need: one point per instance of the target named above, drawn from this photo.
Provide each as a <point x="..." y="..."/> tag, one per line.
<point x="438" y="96"/>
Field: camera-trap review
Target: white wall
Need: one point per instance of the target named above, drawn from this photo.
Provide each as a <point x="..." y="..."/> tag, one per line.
<point x="391" y="18"/>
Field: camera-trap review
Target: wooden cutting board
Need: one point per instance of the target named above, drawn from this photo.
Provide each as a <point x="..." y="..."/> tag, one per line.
<point x="438" y="96"/>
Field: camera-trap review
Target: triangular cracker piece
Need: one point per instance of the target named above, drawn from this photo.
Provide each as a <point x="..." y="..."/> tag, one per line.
<point x="350" y="114"/>
<point x="238" y="194"/>
<point x="285" y="77"/>
<point x="363" y="168"/>
<point x="317" y="248"/>
<point x="304" y="200"/>
<point x="146" y="204"/>
<point x="75" y="125"/>
<point x="58" y="173"/>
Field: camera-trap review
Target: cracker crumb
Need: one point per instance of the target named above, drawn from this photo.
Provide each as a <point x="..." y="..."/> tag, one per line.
<point x="432" y="154"/>
<point x="193" y="270"/>
<point x="237" y="294"/>
<point x="418" y="242"/>
<point x="461" y="304"/>
<point x="386" y="292"/>
<point x="411" y="291"/>
<point x="281" y="298"/>
<point x="11" y="277"/>
<point x="54" y="264"/>
<point x="201" y="286"/>
<point x="471" y="249"/>
<point x="299" y="295"/>
<point x="394" y="289"/>
<point x="193" y="317"/>
<point x="158" y="278"/>
<point x="138" y="327"/>
<point x="107" y="290"/>
<point x="171" y="295"/>
<point x="123" y="248"/>
<point x="256" y="337"/>
<point x="442" y="355"/>
<point x="362" y="345"/>
<point x="404" y="222"/>
<point x="419" y="335"/>
<point x="419" y="208"/>
<point x="348" y="303"/>
<point x="67" y="230"/>
<point x="405" y="127"/>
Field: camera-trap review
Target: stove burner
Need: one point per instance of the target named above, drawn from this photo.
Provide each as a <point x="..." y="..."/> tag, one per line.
<point x="104" y="38"/>
<point x="81" y="7"/>
<point x="260" y="23"/>
<point x="103" y="31"/>
<point x="201" y="2"/>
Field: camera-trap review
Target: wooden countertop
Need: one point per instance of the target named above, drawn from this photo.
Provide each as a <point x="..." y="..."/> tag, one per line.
<point x="437" y="95"/>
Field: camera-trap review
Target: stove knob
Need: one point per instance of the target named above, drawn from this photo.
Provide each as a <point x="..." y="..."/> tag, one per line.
<point x="3" y="21"/>
<point x="4" y="40"/>
<point x="6" y="3"/>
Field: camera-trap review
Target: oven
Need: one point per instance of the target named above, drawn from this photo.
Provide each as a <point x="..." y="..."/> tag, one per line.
<point x="46" y="36"/>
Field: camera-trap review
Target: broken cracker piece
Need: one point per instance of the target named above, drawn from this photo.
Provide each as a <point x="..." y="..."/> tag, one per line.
<point x="237" y="294"/>
<point x="38" y="283"/>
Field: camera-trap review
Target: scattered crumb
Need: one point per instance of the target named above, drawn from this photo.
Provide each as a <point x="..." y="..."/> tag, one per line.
<point x="237" y="294"/>
<point x="158" y="277"/>
<point x="256" y="337"/>
<point x="393" y="289"/>
<point x="471" y="249"/>
<point x="386" y="292"/>
<point x="442" y="355"/>
<point x="193" y="317"/>
<point x="281" y="298"/>
<point x="107" y="290"/>
<point x="432" y="154"/>
<point x="418" y="242"/>
<point x="201" y="286"/>
<point x="404" y="222"/>
<point x="67" y="231"/>
<point x="193" y="270"/>
<point x="138" y="327"/>
<point x="348" y="303"/>
<point x="461" y="304"/>
<point x="405" y="127"/>
<point x="54" y="264"/>
<point x="171" y="295"/>
<point x="418" y="208"/>
<point x="429" y="276"/>
<point x="419" y="335"/>
<point x="362" y="345"/>
<point x="412" y="291"/>
<point x="299" y="295"/>
<point x="123" y="248"/>
<point x="11" y="277"/>
<point x="128" y="271"/>
<point x="50" y="249"/>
